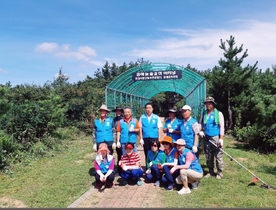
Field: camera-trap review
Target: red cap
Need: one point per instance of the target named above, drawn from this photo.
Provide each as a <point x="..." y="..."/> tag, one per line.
<point x="129" y="146"/>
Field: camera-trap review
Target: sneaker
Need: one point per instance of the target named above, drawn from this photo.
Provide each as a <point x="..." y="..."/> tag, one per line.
<point x="157" y="183"/>
<point x="219" y="176"/>
<point x="139" y="182"/>
<point x="170" y="187"/>
<point x="194" y="185"/>
<point x="125" y="182"/>
<point x="184" y="191"/>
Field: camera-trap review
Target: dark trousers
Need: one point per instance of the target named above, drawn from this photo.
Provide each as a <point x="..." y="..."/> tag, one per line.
<point x="136" y="174"/>
<point x="108" y="180"/>
<point x="119" y="155"/>
<point x="170" y="178"/>
<point x="155" y="174"/>
<point x="147" y="144"/>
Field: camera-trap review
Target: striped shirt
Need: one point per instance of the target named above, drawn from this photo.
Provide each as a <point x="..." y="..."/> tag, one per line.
<point x="131" y="160"/>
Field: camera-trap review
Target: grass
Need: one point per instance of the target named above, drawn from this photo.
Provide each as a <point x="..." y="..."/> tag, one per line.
<point x="60" y="178"/>
<point x="54" y="181"/>
<point x="233" y="190"/>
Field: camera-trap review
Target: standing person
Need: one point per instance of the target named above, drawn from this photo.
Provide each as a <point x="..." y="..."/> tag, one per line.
<point x="131" y="165"/>
<point x="212" y="123"/>
<point x="155" y="159"/>
<point x="104" y="167"/>
<point x="171" y="127"/>
<point x="127" y="130"/>
<point x="188" y="168"/>
<point x="118" y="116"/>
<point x="171" y="161"/>
<point x="102" y="131"/>
<point x="189" y="129"/>
<point x="151" y="128"/>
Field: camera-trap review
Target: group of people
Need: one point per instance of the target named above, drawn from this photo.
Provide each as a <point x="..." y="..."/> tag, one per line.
<point x="176" y="164"/>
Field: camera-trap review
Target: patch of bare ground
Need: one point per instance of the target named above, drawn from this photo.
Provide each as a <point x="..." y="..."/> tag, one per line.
<point x="6" y="202"/>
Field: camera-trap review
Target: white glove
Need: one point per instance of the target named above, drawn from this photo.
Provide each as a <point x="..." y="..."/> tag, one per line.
<point x="118" y="144"/>
<point x="95" y="147"/>
<point x="148" y="171"/>
<point x="114" y="145"/>
<point x="170" y="130"/>
<point x="201" y="133"/>
<point x="125" y="168"/>
<point x="220" y="142"/>
<point x="194" y="149"/>
<point x="142" y="142"/>
<point x="102" y="178"/>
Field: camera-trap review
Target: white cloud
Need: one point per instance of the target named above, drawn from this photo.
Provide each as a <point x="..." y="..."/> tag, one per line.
<point x="47" y="47"/>
<point x="201" y="47"/>
<point x="83" y="53"/>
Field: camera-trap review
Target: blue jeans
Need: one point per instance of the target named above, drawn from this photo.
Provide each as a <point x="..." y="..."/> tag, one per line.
<point x="169" y="178"/>
<point x="134" y="173"/>
<point x="155" y="174"/>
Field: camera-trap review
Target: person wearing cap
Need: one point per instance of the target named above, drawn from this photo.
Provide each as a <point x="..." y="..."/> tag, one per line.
<point x="189" y="129"/>
<point x="104" y="167"/>
<point x="103" y="132"/>
<point x="188" y="168"/>
<point x="118" y="116"/>
<point x="155" y="158"/>
<point x="171" y="161"/>
<point x="212" y="124"/>
<point x="150" y="128"/>
<point x="171" y="127"/>
<point x="131" y="165"/>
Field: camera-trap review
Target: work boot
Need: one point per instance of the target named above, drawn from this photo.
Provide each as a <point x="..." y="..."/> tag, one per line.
<point x="210" y="173"/>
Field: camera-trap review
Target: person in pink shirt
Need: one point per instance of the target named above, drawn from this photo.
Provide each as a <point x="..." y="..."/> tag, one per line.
<point x="104" y="167"/>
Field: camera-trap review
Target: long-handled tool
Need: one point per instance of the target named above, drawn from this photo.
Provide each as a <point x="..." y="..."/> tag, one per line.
<point x="256" y="178"/>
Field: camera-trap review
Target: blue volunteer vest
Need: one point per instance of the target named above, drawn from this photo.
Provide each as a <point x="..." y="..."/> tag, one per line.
<point x="195" y="165"/>
<point x="187" y="132"/>
<point x="211" y="128"/>
<point x="127" y="136"/>
<point x="175" y="125"/>
<point x="103" y="130"/>
<point x="158" y="158"/>
<point x="104" y="166"/>
<point x="149" y="128"/>
<point x="170" y="156"/>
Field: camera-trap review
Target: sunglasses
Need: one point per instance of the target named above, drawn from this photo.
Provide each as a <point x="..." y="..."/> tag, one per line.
<point x="154" y="145"/>
<point x="165" y="143"/>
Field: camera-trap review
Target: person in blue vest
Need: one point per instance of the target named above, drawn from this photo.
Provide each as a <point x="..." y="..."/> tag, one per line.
<point x="127" y="131"/>
<point x="171" y="127"/>
<point x="171" y="161"/>
<point x="104" y="167"/>
<point x="212" y="124"/>
<point x="189" y="129"/>
<point x="150" y="128"/>
<point x="155" y="158"/>
<point x="188" y="168"/>
<point x="103" y="132"/>
<point x="118" y="116"/>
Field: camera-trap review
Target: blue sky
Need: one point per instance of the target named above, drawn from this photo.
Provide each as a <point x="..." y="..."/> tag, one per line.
<point x="37" y="38"/>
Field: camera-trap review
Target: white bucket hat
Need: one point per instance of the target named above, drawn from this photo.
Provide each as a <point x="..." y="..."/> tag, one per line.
<point x="104" y="107"/>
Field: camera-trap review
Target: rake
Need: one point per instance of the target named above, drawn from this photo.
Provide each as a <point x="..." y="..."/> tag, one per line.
<point x="255" y="179"/>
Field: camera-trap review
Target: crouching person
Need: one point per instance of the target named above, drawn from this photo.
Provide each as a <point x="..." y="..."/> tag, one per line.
<point x="131" y="164"/>
<point x="104" y="167"/>
<point x="155" y="159"/>
<point x="188" y="168"/>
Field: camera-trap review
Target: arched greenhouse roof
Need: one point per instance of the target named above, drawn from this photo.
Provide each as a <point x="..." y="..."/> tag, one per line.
<point x="143" y="82"/>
